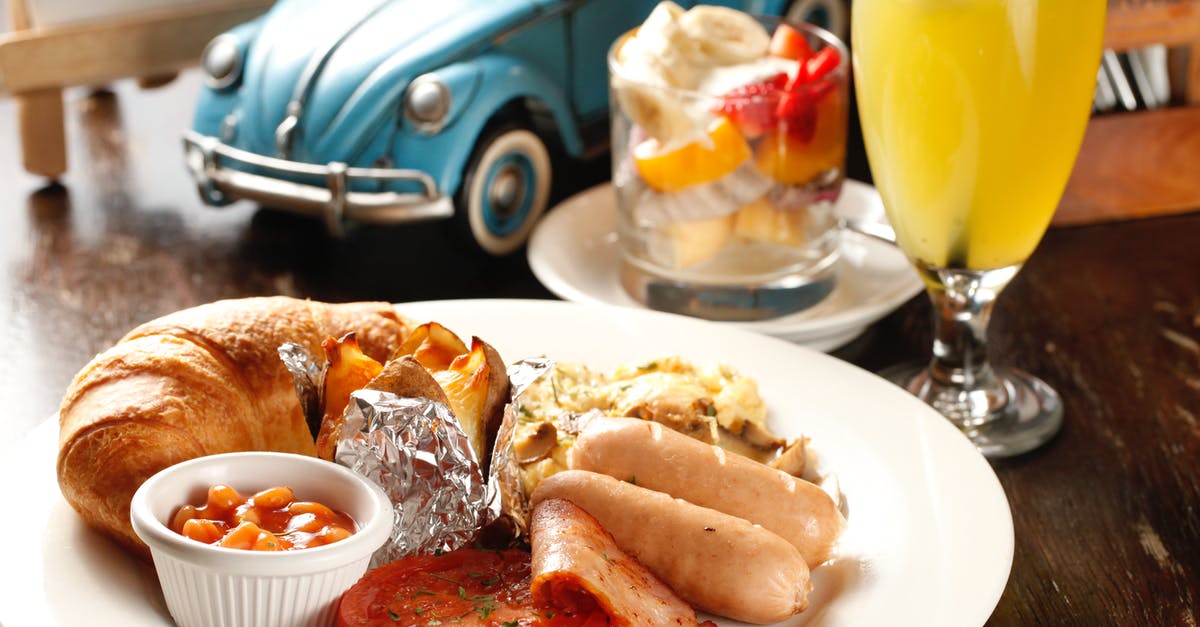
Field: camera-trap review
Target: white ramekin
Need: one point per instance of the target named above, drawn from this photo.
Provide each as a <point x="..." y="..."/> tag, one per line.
<point x="212" y="586"/>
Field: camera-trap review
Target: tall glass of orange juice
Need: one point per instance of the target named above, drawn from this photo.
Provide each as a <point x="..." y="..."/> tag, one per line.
<point x="973" y="112"/>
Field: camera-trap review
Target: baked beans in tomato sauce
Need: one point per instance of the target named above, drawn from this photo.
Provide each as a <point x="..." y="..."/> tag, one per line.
<point x="271" y="520"/>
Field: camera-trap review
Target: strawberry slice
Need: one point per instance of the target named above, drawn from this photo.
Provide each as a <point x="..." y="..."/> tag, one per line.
<point x="815" y="69"/>
<point x="822" y="63"/>
<point x="789" y="43"/>
<point x="797" y="115"/>
<point x="752" y="107"/>
<point x="797" y="109"/>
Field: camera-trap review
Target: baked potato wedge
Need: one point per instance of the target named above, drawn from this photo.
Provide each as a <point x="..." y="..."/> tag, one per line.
<point x="431" y="363"/>
<point x="477" y="384"/>
<point x="433" y="345"/>
<point x="348" y="369"/>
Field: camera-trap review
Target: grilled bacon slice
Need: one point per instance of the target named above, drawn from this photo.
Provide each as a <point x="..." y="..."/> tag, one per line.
<point x="578" y="568"/>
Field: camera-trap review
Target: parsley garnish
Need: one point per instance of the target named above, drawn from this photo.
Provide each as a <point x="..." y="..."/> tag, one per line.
<point x="392" y="615"/>
<point x="487" y="608"/>
<point x="444" y="578"/>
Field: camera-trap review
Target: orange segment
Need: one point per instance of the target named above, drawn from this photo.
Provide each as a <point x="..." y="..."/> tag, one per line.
<point x="695" y="163"/>
<point x="794" y="162"/>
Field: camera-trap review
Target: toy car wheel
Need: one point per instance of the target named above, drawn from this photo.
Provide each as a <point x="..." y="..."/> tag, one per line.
<point x="505" y="189"/>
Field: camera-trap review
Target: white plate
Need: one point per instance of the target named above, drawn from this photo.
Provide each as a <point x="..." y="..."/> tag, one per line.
<point x="573" y="252"/>
<point x="929" y="540"/>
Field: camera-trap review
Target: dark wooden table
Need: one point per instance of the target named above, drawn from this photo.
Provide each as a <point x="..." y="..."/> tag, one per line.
<point x="1107" y="517"/>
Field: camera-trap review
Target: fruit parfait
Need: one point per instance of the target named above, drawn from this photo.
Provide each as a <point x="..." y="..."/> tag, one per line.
<point x="729" y="141"/>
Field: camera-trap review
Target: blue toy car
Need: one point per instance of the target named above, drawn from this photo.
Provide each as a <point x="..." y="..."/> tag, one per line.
<point x="387" y="111"/>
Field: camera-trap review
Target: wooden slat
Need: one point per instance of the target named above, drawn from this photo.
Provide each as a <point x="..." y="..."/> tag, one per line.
<point x="143" y="44"/>
<point x="42" y="128"/>
<point x="18" y="14"/>
<point x="1135" y="165"/>
<point x="40" y="121"/>
<point x="1170" y="22"/>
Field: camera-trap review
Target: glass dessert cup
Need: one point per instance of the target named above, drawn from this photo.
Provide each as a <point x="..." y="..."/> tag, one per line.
<point x="973" y="112"/>
<point x="726" y="209"/>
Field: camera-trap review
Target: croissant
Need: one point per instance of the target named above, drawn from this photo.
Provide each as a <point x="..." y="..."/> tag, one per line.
<point x="197" y="382"/>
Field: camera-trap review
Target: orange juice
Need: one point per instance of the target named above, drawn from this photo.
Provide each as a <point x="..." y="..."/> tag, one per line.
<point x="972" y="114"/>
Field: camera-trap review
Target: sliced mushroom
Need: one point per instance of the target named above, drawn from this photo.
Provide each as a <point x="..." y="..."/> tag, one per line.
<point x="793" y="458"/>
<point x="734" y="444"/>
<point x="760" y="437"/>
<point x="535" y="445"/>
<point x="694" y="418"/>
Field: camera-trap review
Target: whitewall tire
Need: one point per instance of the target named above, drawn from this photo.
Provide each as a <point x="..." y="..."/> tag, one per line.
<point x="506" y="189"/>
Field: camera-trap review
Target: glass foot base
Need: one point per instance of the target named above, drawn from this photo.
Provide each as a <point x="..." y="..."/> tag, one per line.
<point x="1031" y="416"/>
<point x="744" y="303"/>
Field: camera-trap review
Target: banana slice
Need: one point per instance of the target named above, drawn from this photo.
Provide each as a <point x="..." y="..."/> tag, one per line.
<point x="685" y="244"/>
<point x="657" y="111"/>
<point x="660" y="51"/>
<point x="724" y="35"/>
<point x="640" y="63"/>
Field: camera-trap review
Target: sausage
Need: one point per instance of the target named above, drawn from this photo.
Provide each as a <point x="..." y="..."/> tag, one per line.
<point x="664" y="460"/>
<point x="577" y="567"/>
<point x="716" y="562"/>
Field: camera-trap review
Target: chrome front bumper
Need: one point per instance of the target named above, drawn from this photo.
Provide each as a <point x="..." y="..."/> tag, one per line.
<point x="333" y="202"/>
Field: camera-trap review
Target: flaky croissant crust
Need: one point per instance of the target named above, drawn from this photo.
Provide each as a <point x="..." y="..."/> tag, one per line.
<point x="196" y="382"/>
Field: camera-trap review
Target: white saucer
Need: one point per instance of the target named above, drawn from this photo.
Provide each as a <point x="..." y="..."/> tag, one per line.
<point x="573" y="252"/>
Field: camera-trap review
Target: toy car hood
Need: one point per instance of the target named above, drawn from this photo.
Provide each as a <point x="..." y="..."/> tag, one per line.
<point x="355" y="77"/>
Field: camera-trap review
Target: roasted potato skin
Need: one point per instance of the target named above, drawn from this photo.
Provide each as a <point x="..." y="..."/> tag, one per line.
<point x="497" y="397"/>
<point x="406" y="377"/>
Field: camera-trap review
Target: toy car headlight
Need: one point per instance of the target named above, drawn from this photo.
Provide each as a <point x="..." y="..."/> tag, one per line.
<point x="426" y="103"/>
<point x="222" y="61"/>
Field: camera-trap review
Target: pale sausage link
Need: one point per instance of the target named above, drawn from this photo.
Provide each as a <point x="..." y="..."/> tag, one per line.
<point x="716" y="562"/>
<point x="667" y="461"/>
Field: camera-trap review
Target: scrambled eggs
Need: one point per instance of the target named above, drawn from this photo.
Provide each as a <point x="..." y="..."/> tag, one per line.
<point x="711" y="402"/>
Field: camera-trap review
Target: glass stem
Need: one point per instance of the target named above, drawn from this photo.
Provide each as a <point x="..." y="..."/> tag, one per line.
<point x="960" y="382"/>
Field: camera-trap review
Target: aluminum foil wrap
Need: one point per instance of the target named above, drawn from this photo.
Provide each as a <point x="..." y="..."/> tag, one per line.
<point x="509" y="501"/>
<point x="417" y="452"/>
<point x="308" y="377"/>
<point x="412" y="448"/>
